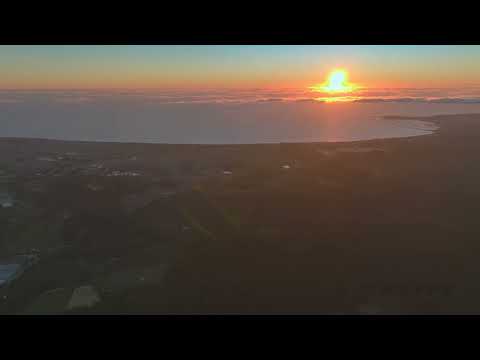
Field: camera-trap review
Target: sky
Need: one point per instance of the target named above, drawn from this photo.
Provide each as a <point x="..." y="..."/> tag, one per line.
<point x="235" y="67"/>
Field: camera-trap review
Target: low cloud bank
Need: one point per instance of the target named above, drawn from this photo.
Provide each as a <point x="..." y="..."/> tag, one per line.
<point x="470" y="95"/>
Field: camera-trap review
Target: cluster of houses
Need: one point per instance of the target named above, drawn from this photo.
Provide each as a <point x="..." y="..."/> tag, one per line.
<point x="123" y="173"/>
<point x="71" y="169"/>
<point x="228" y="172"/>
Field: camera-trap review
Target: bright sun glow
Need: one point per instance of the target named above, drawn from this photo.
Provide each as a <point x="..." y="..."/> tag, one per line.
<point x="337" y="82"/>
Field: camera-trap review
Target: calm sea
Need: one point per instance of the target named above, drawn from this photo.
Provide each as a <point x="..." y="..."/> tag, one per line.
<point x="213" y="123"/>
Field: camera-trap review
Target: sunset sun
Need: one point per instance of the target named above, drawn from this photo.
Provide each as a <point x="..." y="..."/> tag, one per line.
<point x="337" y="82"/>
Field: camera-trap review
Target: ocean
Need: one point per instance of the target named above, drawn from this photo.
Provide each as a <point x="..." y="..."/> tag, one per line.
<point x="137" y="119"/>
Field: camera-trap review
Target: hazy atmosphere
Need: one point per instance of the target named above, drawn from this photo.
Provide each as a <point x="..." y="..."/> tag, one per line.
<point x="239" y="180"/>
<point x="231" y="94"/>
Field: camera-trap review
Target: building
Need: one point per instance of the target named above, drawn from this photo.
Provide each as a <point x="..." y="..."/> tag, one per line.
<point x="6" y="200"/>
<point x="12" y="268"/>
<point x="8" y="272"/>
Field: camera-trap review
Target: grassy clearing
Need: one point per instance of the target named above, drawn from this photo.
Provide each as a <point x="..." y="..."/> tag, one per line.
<point x="51" y="302"/>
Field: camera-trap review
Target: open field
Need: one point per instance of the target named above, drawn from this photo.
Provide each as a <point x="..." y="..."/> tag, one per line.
<point x="379" y="226"/>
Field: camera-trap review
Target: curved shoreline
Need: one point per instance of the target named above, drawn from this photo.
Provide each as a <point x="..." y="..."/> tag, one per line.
<point x="425" y="131"/>
<point x="432" y="121"/>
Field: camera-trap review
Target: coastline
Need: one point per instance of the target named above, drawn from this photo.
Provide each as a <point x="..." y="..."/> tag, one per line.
<point x="423" y="120"/>
<point x="390" y="211"/>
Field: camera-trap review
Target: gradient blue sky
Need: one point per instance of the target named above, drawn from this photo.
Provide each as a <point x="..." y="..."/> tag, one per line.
<point x="193" y="67"/>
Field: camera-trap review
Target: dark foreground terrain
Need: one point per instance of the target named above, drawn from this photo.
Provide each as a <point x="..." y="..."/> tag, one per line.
<point x="383" y="226"/>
